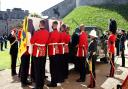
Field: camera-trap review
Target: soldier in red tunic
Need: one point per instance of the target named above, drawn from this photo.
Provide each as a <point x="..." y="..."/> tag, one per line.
<point x="111" y="46"/>
<point x="39" y="41"/>
<point x="53" y="51"/>
<point x="82" y="48"/>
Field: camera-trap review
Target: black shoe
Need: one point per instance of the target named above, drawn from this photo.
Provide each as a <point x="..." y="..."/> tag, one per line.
<point x="61" y="81"/>
<point x="91" y="86"/>
<point x="52" y="85"/>
<point x="45" y="77"/>
<point x="13" y="74"/>
<point x="123" y="66"/>
<point x="80" y="80"/>
<point x="28" y="83"/>
<point x="23" y="85"/>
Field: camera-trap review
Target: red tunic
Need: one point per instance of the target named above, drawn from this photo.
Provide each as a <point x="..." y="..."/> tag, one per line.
<point x="53" y="41"/>
<point x="83" y="45"/>
<point x="111" y="43"/>
<point x="39" y="41"/>
<point x="67" y="40"/>
<point x="62" y="42"/>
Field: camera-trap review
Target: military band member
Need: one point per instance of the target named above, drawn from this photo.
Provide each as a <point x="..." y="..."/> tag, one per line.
<point x="1" y="43"/>
<point x="82" y="48"/>
<point x="5" y="40"/>
<point x="111" y="46"/>
<point x="13" y="51"/>
<point x="39" y="42"/>
<point x="92" y="58"/>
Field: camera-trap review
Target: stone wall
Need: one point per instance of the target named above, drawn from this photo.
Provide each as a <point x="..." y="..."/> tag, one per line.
<point x="60" y="10"/>
<point x="6" y="25"/>
<point x="98" y="2"/>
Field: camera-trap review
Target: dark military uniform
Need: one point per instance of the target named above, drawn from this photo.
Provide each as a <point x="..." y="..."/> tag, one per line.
<point x="5" y="40"/>
<point x="1" y="43"/>
<point x="122" y="48"/>
<point x="117" y="44"/>
<point x="13" y="52"/>
<point x="92" y="58"/>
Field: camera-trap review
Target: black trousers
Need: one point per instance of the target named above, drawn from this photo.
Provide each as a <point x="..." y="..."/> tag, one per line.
<point x="5" y="44"/>
<point x="39" y="69"/>
<point x="25" y="60"/>
<point x="117" y="53"/>
<point x="123" y="58"/>
<point x="32" y="69"/>
<point x="13" y="63"/>
<point x="82" y="70"/>
<point x="55" y="69"/>
<point x="1" y="46"/>
<point x="65" y="65"/>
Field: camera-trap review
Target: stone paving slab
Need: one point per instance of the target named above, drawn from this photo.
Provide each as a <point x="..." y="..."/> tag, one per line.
<point x="9" y="82"/>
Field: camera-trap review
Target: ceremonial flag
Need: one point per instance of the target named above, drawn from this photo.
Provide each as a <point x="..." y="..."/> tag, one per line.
<point x="23" y="44"/>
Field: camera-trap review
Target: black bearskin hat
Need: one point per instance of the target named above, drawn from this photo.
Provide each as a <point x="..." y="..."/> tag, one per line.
<point x="112" y="26"/>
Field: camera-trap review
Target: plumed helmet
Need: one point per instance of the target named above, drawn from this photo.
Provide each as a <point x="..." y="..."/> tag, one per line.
<point x="112" y="26"/>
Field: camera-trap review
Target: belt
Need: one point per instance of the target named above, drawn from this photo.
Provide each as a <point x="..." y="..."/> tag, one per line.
<point x="13" y="43"/>
<point x="39" y="44"/>
<point x="53" y="44"/>
<point x="54" y="48"/>
<point x="38" y="49"/>
<point x="66" y="44"/>
<point x="61" y="43"/>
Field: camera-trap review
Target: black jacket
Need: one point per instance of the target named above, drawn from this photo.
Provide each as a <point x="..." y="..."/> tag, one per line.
<point x="14" y="47"/>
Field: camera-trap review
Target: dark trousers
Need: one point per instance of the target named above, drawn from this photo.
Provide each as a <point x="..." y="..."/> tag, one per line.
<point x="65" y="65"/>
<point x="5" y="44"/>
<point x="123" y="58"/>
<point x="117" y="53"/>
<point x="1" y="46"/>
<point x="60" y="67"/>
<point x="13" y="63"/>
<point x="32" y="69"/>
<point x="93" y="74"/>
<point x="82" y="69"/>
<point x="25" y="60"/>
<point x="39" y="69"/>
<point x="112" y="70"/>
<point x="55" y="69"/>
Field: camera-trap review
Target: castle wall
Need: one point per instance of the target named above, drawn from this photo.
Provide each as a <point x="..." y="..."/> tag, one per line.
<point x="98" y="2"/>
<point x="63" y="8"/>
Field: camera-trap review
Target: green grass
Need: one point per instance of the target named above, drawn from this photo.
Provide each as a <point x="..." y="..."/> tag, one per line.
<point x="98" y="16"/>
<point x="5" y="60"/>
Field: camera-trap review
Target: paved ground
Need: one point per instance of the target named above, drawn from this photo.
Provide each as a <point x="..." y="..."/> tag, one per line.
<point x="102" y="82"/>
<point x="8" y="82"/>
